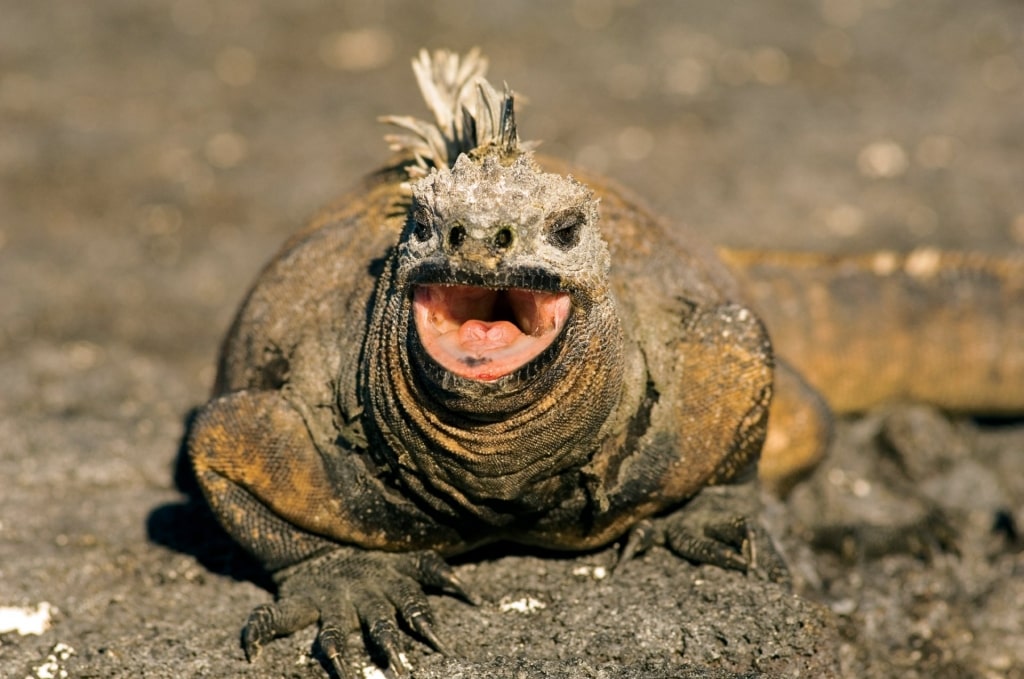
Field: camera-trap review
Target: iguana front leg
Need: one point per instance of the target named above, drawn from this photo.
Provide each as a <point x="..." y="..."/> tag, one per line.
<point x="312" y="523"/>
<point x="707" y="428"/>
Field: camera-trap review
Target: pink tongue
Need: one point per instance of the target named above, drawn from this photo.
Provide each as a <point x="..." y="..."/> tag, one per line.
<point x="480" y="336"/>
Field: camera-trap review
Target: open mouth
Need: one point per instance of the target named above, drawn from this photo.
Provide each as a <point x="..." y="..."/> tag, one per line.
<point x="486" y="333"/>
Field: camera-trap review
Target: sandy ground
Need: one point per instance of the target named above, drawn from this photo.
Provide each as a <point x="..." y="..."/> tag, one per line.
<point x="153" y="155"/>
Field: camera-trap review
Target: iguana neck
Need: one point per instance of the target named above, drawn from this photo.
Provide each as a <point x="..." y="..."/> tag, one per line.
<point x="492" y="451"/>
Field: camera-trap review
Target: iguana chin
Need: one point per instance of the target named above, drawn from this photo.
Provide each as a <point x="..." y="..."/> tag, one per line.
<point x="474" y="346"/>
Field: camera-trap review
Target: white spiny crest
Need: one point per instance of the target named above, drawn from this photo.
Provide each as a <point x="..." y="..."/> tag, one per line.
<point x="468" y="112"/>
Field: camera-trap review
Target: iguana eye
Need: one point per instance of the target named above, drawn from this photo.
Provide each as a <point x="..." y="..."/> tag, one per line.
<point x="564" y="228"/>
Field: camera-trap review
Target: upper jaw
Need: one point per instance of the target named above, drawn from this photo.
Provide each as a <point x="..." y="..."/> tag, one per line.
<point x="447" y="273"/>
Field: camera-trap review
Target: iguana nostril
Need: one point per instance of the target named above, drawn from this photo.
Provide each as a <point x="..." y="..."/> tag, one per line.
<point x="503" y="239"/>
<point x="456" y="237"/>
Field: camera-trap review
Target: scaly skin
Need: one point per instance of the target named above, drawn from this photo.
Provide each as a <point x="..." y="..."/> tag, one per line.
<point x="945" y="328"/>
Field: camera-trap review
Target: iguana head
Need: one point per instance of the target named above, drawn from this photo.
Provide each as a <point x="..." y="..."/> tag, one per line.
<point x="498" y="255"/>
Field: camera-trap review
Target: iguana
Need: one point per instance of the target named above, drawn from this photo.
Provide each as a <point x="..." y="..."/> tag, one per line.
<point x="479" y="344"/>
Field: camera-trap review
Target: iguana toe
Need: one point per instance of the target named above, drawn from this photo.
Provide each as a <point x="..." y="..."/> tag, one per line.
<point x="432" y="571"/>
<point x="332" y="644"/>
<point x="268" y="621"/>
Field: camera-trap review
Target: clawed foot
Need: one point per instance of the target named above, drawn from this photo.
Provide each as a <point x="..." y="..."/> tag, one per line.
<point x="712" y="529"/>
<point x="348" y="590"/>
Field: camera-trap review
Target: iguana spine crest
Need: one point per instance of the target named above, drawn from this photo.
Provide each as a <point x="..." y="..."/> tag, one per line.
<point x="469" y="113"/>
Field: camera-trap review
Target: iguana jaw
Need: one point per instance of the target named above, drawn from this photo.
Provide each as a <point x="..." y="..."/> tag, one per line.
<point x="483" y="333"/>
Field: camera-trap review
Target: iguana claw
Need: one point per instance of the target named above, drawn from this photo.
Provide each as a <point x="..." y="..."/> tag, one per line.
<point x="709" y="531"/>
<point x="350" y="589"/>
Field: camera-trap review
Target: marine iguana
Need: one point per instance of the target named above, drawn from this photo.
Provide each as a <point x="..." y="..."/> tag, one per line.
<point x="478" y="344"/>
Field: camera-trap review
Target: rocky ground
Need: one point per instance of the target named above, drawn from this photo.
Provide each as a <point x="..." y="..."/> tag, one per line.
<point x="153" y="155"/>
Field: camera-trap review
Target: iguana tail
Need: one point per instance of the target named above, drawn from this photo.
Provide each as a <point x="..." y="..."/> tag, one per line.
<point x="946" y="328"/>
